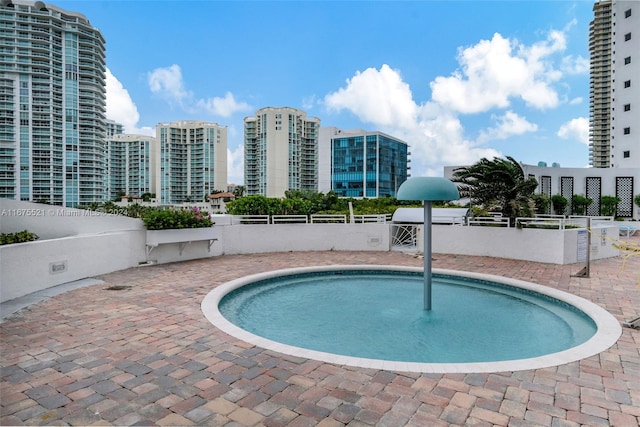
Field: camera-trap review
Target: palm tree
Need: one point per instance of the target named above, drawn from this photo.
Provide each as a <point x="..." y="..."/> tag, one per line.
<point x="498" y="184"/>
<point x="239" y="191"/>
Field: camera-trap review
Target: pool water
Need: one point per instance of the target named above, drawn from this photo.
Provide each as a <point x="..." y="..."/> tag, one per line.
<point x="380" y="315"/>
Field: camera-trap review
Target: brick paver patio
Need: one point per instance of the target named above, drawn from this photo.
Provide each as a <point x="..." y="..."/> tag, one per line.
<point x="146" y="355"/>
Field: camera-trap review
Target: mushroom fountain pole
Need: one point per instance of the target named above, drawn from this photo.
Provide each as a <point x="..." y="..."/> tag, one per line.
<point x="427" y="253"/>
<point x="427" y="189"/>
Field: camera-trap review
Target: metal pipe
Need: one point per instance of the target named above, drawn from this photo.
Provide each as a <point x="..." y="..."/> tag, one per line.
<point x="427" y="255"/>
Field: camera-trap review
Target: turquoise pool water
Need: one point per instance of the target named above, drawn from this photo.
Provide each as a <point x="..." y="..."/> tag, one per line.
<point x="379" y="315"/>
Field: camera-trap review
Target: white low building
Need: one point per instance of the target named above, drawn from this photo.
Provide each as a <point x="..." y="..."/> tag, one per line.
<point x="593" y="183"/>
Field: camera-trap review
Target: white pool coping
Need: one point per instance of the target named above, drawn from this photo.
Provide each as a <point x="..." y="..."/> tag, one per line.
<point x="607" y="333"/>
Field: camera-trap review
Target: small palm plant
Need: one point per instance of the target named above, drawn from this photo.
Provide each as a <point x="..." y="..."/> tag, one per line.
<point x="498" y="184"/>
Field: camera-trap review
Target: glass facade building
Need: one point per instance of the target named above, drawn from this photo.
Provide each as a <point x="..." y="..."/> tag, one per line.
<point x="367" y="164"/>
<point x="52" y="105"/>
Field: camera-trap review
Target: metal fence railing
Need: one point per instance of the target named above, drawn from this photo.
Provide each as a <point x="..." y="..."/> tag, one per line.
<point x="250" y="219"/>
<point x="289" y="219"/>
<point x="489" y="221"/>
<point x="382" y="218"/>
<point x="328" y="219"/>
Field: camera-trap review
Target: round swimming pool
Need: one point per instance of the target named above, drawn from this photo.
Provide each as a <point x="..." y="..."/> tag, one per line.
<point x="373" y="317"/>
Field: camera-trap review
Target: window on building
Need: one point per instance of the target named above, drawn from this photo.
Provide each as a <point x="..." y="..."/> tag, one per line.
<point x="627" y="131"/>
<point x="627" y="83"/>
<point x="627" y="60"/>
<point x="627" y="107"/>
<point x="626" y="154"/>
<point x="627" y="37"/>
<point x="627" y="13"/>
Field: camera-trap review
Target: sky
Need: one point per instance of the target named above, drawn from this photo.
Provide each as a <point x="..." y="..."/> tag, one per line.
<point x="457" y="80"/>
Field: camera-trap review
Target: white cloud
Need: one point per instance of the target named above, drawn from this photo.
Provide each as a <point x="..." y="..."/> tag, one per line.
<point x="435" y="135"/>
<point x="235" y="165"/>
<point x="308" y="102"/>
<point x="492" y="75"/>
<point x="224" y="107"/>
<point x="494" y="71"/>
<point x="168" y="83"/>
<point x="508" y="125"/>
<point x="376" y="96"/>
<point x="438" y="139"/>
<point x="576" y="101"/>
<point x="577" y="129"/>
<point x="575" y="65"/>
<point x="122" y="109"/>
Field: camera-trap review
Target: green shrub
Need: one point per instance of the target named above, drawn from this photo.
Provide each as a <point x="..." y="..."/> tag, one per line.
<point x="169" y="219"/>
<point x="18" y="237"/>
<point x="609" y="205"/>
<point x="580" y="203"/>
<point x="254" y="205"/>
<point x="559" y="203"/>
<point x="542" y="202"/>
<point x="478" y="211"/>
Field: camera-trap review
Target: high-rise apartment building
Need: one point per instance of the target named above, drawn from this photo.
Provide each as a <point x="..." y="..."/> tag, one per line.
<point x="280" y="152"/>
<point x="131" y="164"/>
<point x="614" y="107"/>
<point x="365" y="164"/>
<point x="113" y="128"/>
<point x="192" y="161"/>
<point x="52" y="105"/>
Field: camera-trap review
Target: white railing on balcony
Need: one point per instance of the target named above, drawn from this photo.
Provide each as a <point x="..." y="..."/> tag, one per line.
<point x="328" y="219"/>
<point x="448" y="220"/>
<point x="596" y="221"/>
<point x="250" y="219"/>
<point x="559" y="222"/>
<point x="489" y="221"/>
<point x="383" y="218"/>
<point x="289" y="219"/>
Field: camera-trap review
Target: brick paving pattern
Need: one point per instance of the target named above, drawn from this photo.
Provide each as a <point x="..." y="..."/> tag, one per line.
<point x="146" y="355"/>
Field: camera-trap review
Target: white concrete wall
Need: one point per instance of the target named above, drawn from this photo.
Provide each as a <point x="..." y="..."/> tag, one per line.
<point x="549" y="246"/>
<point x="76" y="247"/>
<point x="50" y="222"/>
<point x="34" y="266"/>
<point x="73" y="244"/>
<point x="255" y="238"/>
<point x="261" y="238"/>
